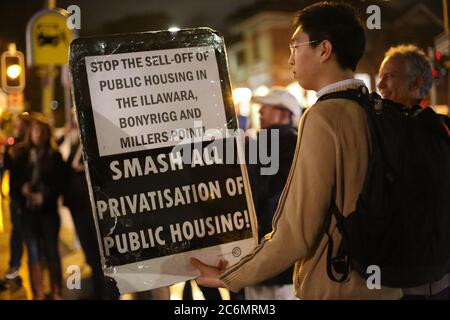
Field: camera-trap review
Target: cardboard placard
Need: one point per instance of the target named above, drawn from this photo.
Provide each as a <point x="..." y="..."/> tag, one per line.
<point x="165" y="168"/>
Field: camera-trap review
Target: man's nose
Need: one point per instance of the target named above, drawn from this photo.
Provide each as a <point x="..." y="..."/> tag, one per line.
<point x="291" y="60"/>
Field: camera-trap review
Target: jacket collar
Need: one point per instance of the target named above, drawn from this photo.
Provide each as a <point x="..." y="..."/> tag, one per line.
<point x="340" y="86"/>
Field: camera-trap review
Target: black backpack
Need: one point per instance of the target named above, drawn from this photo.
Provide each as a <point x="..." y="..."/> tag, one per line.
<point x="402" y="218"/>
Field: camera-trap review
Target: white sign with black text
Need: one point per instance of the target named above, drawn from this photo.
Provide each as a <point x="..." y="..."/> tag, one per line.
<point x="159" y="92"/>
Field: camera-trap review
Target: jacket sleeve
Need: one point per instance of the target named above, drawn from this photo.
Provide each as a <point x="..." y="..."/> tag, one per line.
<point x="302" y="209"/>
<point x="54" y="182"/>
<point x="18" y="173"/>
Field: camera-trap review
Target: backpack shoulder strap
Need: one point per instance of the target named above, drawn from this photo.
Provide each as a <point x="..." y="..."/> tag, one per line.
<point x="350" y="94"/>
<point x="340" y="264"/>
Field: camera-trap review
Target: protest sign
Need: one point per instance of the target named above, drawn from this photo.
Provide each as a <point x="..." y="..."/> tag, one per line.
<point x="164" y="166"/>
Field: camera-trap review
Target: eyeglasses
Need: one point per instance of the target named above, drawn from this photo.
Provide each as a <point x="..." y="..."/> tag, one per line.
<point x="294" y="45"/>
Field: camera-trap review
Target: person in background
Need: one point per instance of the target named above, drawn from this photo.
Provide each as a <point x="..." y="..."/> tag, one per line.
<point x="40" y="185"/>
<point x="406" y="77"/>
<point x="76" y="198"/>
<point x="278" y="109"/>
<point x="20" y="131"/>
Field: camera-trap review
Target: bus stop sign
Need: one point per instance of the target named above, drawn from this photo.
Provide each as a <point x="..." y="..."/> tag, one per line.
<point x="48" y="38"/>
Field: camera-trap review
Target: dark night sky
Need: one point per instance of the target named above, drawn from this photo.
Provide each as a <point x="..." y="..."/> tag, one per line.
<point x="14" y="14"/>
<point x="209" y="11"/>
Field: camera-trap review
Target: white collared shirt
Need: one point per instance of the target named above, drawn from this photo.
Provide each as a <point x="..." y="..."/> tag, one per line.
<point x="343" y="83"/>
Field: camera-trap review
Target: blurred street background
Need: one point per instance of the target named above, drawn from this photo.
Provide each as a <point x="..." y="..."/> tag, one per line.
<point x="257" y="34"/>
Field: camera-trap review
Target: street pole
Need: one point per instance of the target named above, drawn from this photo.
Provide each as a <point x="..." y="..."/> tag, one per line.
<point x="65" y="81"/>
<point x="51" y="4"/>
<point x="48" y="75"/>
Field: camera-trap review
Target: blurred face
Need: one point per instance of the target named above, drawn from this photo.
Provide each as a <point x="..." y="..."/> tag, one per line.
<point x="271" y="116"/>
<point x="20" y="129"/>
<point x="303" y="60"/>
<point x="396" y="84"/>
<point x="39" y="135"/>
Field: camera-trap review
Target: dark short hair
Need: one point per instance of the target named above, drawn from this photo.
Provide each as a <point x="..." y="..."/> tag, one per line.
<point x="338" y="23"/>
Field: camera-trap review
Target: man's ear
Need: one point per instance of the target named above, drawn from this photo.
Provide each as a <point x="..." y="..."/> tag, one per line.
<point x="326" y="50"/>
<point x="416" y="84"/>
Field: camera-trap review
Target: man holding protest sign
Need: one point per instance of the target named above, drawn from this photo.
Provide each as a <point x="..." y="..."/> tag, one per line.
<point x="329" y="163"/>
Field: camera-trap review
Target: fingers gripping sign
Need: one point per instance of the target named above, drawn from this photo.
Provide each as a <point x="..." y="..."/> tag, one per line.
<point x="209" y="275"/>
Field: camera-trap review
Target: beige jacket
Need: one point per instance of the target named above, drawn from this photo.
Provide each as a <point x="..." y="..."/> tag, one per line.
<point x="330" y="160"/>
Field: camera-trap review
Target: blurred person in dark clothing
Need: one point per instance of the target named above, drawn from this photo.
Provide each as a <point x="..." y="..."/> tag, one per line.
<point x="39" y="186"/>
<point x="20" y="131"/>
<point x="406" y="77"/>
<point x="76" y="198"/>
<point x="278" y="109"/>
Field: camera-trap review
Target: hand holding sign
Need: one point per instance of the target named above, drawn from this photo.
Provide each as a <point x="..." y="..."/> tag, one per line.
<point x="209" y="275"/>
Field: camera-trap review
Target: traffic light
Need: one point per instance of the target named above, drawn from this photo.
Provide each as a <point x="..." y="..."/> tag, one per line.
<point x="12" y="70"/>
<point x="441" y="65"/>
<point x="438" y="68"/>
